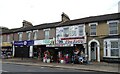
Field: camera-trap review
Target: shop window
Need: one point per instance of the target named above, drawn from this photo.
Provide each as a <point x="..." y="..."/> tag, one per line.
<point x="114" y="48"/>
<point x="113" y="27"/>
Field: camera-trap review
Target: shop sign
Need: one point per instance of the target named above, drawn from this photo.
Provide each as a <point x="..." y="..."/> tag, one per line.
<point x="62" y="45"/>
<point x="6" y="44"/>
<point x="22" y="43"/>
<point x="38" y="42"/>
<point x="73" y="41"/>
<point x="44" y="42"/>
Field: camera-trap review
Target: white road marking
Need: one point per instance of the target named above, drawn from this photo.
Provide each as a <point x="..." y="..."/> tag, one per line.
<point x="3" y="71"/>
<point x="42" y="67"/>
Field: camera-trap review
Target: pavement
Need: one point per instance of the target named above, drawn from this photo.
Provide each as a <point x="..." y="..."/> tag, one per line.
<point x="92" y="66"/>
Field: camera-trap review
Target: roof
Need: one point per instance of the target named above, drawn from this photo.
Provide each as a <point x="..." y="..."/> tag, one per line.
<point x="46" y="25"/>
<point x="90" y="19"/>
<point x="9" y="31"/>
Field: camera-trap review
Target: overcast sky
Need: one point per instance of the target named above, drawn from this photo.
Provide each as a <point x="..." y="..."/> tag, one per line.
<point x="13" y="12"/>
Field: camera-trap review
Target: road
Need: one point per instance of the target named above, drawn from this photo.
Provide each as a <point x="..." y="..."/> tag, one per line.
<point x="25" y="68"/>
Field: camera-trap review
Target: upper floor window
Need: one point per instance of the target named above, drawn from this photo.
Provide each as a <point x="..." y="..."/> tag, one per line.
<point x="8" y="38"/>
<point x="47" y="35"/>
<point x="73" y="31"/>
<point x="113" y="27"/>
<point x="93" y="29"/>
<point x="66" y="31"/>
<point x="28" y="35"/>
<point x="20" y="36"/>
<point x="81" y="30"/>
<point x="35" y="34"/>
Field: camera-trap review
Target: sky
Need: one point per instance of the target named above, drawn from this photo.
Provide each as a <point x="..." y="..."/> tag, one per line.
<point x="13" y="12"/>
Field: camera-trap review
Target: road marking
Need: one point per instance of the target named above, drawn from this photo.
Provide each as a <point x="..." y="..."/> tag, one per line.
<point x="3" y="71"/>
<point x="42" y="67"/>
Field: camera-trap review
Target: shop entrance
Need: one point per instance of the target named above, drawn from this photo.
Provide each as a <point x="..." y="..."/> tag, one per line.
<point x="38" y="51"/>
<point x="80" y="47"/>
<point x="22" y="52"/>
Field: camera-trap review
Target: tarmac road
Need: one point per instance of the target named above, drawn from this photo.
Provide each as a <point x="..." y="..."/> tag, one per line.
<point x="13" y="68"/>
<point x="26" y="68"/>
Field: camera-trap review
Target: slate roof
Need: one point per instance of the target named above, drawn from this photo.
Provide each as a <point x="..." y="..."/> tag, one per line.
<point x="91" y="19"/>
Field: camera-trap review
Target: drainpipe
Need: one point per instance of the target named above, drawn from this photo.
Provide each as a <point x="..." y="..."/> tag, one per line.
<point x="13" y="47"/>
<point x="87" y="47"/>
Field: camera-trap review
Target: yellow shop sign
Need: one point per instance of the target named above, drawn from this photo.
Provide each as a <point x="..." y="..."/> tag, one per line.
<point x="6" y="44"/>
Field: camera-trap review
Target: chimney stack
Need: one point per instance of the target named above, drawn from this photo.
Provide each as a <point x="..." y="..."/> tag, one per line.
<point x="64" y="17"/>
<point x="26" y="24"/>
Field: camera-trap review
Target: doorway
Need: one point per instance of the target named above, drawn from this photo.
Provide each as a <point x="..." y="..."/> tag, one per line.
<point x="93" y="51"/>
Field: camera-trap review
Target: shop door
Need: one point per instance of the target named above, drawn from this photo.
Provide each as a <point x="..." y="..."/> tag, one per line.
<point x="22" y="52"/>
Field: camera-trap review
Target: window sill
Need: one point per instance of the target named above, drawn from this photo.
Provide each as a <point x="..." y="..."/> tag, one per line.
<point x="93" y="35"/>
<point x="113" y="34"/>
<point x="111" y="56"/>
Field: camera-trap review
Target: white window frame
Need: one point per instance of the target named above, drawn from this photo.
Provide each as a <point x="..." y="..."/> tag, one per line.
<point x="68" y="29"/>
<point x="28" y="35"/>
<point x="114" y="48"/>
<point x="35" y="36"/>
<point x="90" y="28"/>
<point x="109" y="47"/>
<point x="83" y="29"/>
<point x="48" y="29"/>
<point x="117" y="21"/>
<point x="71" y="31"/>
<point x="20" y="38"/>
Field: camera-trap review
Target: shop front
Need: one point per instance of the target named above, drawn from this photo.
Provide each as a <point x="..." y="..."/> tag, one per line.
<point x="6" y="50"/>
<point x="73" y="48"/>
<point x="23" y="49"/>
<point x="72" y="39"/>
<point x="40" y="47"/>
